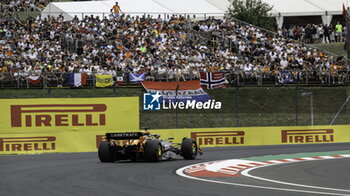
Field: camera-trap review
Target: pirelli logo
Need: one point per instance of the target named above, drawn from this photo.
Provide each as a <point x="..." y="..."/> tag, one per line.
<point x="18" y="144"/>
<point x="307" y="136"/>
<point x="214" y="138"/>
<point x="99" y="139"/>
<point x="59" y="115"/>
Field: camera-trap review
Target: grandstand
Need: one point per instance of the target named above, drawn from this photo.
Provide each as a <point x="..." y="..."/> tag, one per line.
<point x="42" y="51"/>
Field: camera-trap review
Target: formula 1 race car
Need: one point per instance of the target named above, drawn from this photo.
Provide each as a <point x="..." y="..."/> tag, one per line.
<point x="144" y="146"/>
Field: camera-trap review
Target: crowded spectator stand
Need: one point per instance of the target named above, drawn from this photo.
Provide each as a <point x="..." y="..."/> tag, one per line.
<point x="43" y="52"/>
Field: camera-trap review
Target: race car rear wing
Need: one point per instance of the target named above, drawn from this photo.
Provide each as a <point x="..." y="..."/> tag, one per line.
<point x="124" y="136"/>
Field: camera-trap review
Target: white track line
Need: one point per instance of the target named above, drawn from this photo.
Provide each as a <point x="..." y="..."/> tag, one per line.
<point x="180" y="173"/>
<point x="246" y="173"/>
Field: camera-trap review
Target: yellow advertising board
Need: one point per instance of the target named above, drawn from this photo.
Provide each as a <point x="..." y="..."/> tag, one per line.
<point x="30" y="126"/>
<point x="247" y="136"/>
<point x="66" y="115"/>
<point x="34" y="143"/>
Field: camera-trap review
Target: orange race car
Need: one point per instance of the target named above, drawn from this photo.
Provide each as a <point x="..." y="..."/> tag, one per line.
<point x="144" y="146"/>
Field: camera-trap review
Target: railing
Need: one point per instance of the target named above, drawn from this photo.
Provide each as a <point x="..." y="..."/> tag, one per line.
<point x="233" y="78"/>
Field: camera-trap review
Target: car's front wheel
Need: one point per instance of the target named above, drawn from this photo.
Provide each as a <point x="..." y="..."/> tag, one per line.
<point x="189" y="149"/>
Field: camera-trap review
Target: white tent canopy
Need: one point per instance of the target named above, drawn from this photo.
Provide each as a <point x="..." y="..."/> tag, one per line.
<point x="221" y="4"/>
<point x="332" y="7"/>
<point x="200" y="8"/>
<point x="324" y="8"/>
<point x="189" y="6"/>
<point x="69" y="10"/>
<point x="288" y="8"/>
<point x="295" y="7"/>
<point x="133" y="7"/>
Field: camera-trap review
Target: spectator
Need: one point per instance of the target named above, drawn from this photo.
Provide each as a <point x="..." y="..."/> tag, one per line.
<point x="116" y="9"/>
<point x="338" y="32"/>
<point x="326" y="34"/>
<point x="308" y="34"/>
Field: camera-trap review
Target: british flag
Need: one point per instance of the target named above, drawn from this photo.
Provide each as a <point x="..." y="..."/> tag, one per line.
<point x="211" y="80"/>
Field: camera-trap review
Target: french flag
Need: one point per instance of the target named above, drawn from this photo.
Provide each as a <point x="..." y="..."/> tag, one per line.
<point x="34" y="79"/>
<point x="76" y="79"/>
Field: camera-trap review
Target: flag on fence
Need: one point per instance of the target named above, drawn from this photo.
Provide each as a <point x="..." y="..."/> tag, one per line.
<point x="76" y="79"/>
<point x="285" y="77"/>
<point x="104" y="80"/>
<point x="34" y="79"/>
<point x="186" y="90"/>
<point x="210" y="80"/>
<point x="120" y="80"/>
<point x="134" y="77"/>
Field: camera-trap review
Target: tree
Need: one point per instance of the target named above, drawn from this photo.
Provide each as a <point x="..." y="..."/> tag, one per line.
<point x="252" y="11"/>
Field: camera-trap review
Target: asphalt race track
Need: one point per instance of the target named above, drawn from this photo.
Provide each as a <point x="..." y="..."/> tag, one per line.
<point x="83" y="174"/>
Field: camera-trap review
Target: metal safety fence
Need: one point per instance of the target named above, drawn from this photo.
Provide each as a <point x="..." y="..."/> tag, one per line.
<point x="233" y="78"/>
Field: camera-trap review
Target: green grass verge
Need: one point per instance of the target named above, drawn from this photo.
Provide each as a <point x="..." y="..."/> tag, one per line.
<point x="336" y="48"/>
<point x="298" y="155"/>
<point x="242" y="107"/>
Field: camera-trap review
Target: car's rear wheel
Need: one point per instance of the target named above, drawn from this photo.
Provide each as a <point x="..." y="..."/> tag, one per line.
<point x="153" y="151"/>
<point x="189" y="149"/>
<point x="105" y="153"/>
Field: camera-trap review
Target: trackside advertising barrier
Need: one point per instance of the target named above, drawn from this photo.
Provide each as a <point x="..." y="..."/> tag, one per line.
<point x="30" y="126"/>
<point x="248" y="136"/>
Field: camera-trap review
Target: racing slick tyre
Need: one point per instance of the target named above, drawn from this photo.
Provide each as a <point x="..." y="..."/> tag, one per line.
<point x="105" y="153"/>
<point x="153" y="151"/>
<point x="189" y="149"/>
